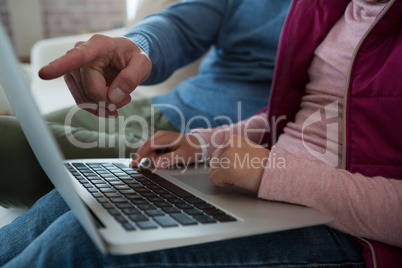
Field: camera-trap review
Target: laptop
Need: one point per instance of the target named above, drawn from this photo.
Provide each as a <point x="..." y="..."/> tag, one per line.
<point x="126" y="210"/>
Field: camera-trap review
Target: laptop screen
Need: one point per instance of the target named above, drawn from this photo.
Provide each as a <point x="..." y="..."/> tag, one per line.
<point x="38" y="134"/>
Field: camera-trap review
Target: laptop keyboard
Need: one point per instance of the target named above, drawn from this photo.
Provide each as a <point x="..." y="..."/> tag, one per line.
<point x="142" y="199"/>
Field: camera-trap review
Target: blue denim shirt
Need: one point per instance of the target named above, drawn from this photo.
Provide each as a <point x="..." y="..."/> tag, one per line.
<point x="235" y="77"/>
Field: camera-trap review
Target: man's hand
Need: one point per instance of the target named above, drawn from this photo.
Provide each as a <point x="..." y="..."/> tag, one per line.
<point x="168" y="148"/>
<point x="238" y="162"/>
<point x="101" y="73"/>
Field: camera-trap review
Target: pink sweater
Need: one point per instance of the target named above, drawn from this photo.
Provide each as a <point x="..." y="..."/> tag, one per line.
<point x="362" y="206"/>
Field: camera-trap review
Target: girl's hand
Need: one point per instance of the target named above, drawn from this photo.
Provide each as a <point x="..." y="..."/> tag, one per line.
<point x="168" y="148"/>
<point x="238" y="162"/>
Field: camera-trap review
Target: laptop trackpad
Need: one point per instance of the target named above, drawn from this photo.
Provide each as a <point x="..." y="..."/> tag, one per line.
<point x="201" y="183"/>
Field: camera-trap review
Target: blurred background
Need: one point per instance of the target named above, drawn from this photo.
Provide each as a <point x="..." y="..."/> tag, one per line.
<point x="28" y="21"/>
<point x="42" y="30"/>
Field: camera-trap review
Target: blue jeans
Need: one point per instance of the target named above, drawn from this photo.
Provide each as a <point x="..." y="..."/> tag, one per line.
<point x="49" y="235"/>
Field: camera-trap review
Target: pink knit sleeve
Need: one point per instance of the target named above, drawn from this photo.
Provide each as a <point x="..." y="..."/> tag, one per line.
<point x="252" y="128"/>
<point x="367" y="207"/>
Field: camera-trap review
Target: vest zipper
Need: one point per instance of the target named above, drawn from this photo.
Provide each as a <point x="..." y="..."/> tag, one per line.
<point x="345" y="104"/>
<point x="372" y="251"/>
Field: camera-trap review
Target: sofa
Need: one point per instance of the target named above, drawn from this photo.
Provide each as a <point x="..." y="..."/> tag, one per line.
<point x="53" y="95"/>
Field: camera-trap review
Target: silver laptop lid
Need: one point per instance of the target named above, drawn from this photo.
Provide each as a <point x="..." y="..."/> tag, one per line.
<point x="39" y="136"/>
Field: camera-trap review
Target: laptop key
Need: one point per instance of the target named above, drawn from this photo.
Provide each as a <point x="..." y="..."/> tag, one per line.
<point x="97" y="194"/>
<point x="107" y="190"/>
<point x="138" y="175"/>
<point x="183" y="219"/>
<point x="138" y="201"/>
<point x="120" y="219"/>
<point x="120" y="165"/>
<point x="102" y="200"/>
<point x="171" y="210"/>
<point x="114" y="212"/>
<point x="149" y="195"/>
<point x="142" y="190"/>
<point x="167" y="196"/>
<point x="97" y="181"/>
<point x="204" y="206"/>
<point x="193" y="211"/>
<point x="131" y="211"/>
<point x="154" y="212"/>
<point x="155" y="199"/>
<point x="176" y="200"/>
<point x="146" y="206"/>
<point x="129" y="191"/>
<point x="108" y="177"/>
<point x="167" y="184"/>
<point x="92" y="190"/>
<point x="154" y="186"/>
<point x="116" y="182"/>
<point x="132" y="183"/>
<point x="121" y="187"/>
<point x="103" y="185"/>
<point x="164" y="193"/>
<point x="128" y="226"/>
<point x="123" y="178"/>
<point x="142" y="179"/>
<point x="145" y="225"/>
<point x="162" y="204"/>
<point x="224" y="218"/>
<point x="94" y="164"/>
<point x="87" y="185"/>
<point x="110" y="195"/>
<point x="130" y="171"/>
<point x="90" y="173"/>
<point x="107" y="205"/>
<point x="137" y="217"/>
<point x="82" y="180"/>
<point x="184" y="206"/>
<point x="214" y="211"/>
<point x="204" y="219"/>
<point x="78" y="164"/>
<point x="194" y="200"/>
<point x="165" y="221"/>
<point x="118" y="200"/>
<point x="121" y="175"/>
<point x="124" y="205"/>
<point x="133" y="196"/>
<point x="100" y="171"/>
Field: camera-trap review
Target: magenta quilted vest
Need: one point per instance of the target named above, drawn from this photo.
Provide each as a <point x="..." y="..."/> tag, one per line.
<point x="373" y="96"/>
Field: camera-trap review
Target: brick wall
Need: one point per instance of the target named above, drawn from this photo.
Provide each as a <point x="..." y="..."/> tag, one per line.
<point x="69" y="17"/>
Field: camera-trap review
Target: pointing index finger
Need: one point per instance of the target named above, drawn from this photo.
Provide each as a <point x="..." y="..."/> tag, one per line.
<point x="74" y="59"/>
